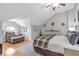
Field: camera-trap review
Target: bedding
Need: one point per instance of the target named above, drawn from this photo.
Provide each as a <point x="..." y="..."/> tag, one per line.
<point x="63" y="42"/>
<point x="56" y="46"/>
<point x="42" y="41"/>
<point x="41" y="45"/>
<point x="15" y="39"/>
<point x="12" y="38"/>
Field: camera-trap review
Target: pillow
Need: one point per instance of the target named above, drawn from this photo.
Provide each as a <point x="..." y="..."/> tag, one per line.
<point x="72" y="37"/>
<point x="68" y="35"/>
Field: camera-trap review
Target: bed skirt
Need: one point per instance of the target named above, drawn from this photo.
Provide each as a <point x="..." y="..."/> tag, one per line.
<point x="46" y="52"/>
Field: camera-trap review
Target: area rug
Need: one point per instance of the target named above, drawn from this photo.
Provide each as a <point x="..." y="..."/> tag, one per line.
<point x="28" y="49"/>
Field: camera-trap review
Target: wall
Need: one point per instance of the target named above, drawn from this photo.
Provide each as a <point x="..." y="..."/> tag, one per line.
<point x="19" y="23"/>
<point x="26" y="24"/>
<point x="5" y="24"/>
<point x="73" y="18"/>
<point x="65" y="17"/>
<point x="1" y="37"/>
<point x="58" y="19"/>
<point x="35" y="31"/>
<point x="0" y="27"/>
<point x="76" y="11"/>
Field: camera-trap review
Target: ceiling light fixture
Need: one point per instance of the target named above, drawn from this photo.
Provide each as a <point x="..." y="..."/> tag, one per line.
<point x="55" y="4"/>
<point x="10" y="28"/>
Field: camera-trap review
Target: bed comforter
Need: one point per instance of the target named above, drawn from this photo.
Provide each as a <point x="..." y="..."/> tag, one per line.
<point x="54" y="44"/>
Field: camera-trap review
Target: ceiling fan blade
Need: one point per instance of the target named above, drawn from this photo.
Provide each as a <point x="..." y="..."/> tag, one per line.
<point x="53" y="8"/>
<point x="62" y="4"/>
<point x="48" y="5"/>
<point x="43" y="5"/>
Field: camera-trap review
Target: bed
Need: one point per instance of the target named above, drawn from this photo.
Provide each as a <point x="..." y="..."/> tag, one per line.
<point x="55" y="46"/>
<point x="15" y="39"/>
<point x="12" y="38"/>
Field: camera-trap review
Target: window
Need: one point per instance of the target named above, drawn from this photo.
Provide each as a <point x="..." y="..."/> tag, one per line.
<point x="10" y="28"/>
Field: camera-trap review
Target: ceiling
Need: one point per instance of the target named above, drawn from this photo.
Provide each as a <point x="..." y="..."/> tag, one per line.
<point x="31" y="11"/>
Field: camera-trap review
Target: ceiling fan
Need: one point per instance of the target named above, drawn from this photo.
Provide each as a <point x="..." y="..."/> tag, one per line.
<point x="53" y="5"/>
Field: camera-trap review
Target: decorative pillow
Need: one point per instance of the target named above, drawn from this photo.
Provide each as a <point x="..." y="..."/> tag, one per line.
<point x="72" y="37"/>
<point x="68" y="35"/>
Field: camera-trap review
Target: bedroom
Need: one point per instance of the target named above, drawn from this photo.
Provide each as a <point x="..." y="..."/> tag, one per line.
<point x="46" y="28"/>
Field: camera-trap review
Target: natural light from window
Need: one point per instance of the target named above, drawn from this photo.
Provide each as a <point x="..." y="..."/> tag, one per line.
<point x="10" y="28"/>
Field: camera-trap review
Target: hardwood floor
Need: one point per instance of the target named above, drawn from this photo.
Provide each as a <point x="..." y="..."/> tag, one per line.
<point x="7" y="45"/>
<point x="70" y="52"/>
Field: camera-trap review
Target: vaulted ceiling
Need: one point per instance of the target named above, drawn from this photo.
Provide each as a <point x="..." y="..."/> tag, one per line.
<point x="31" y="11"/>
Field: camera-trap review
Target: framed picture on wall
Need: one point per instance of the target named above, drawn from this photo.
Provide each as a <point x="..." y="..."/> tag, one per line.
<point x="52" y="24"/>
<point x="44" y="25"/>
<point x="62" y="24"/>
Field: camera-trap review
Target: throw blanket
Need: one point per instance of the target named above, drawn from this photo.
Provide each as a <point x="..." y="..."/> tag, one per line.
<point x="42" y="41"/>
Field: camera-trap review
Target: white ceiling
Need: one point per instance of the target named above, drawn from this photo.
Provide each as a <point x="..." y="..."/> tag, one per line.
<point x="32" y="11"/>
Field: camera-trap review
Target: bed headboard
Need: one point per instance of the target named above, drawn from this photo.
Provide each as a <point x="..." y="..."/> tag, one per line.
<point x="51" y="32"/>
<point x="10" y="33"/>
